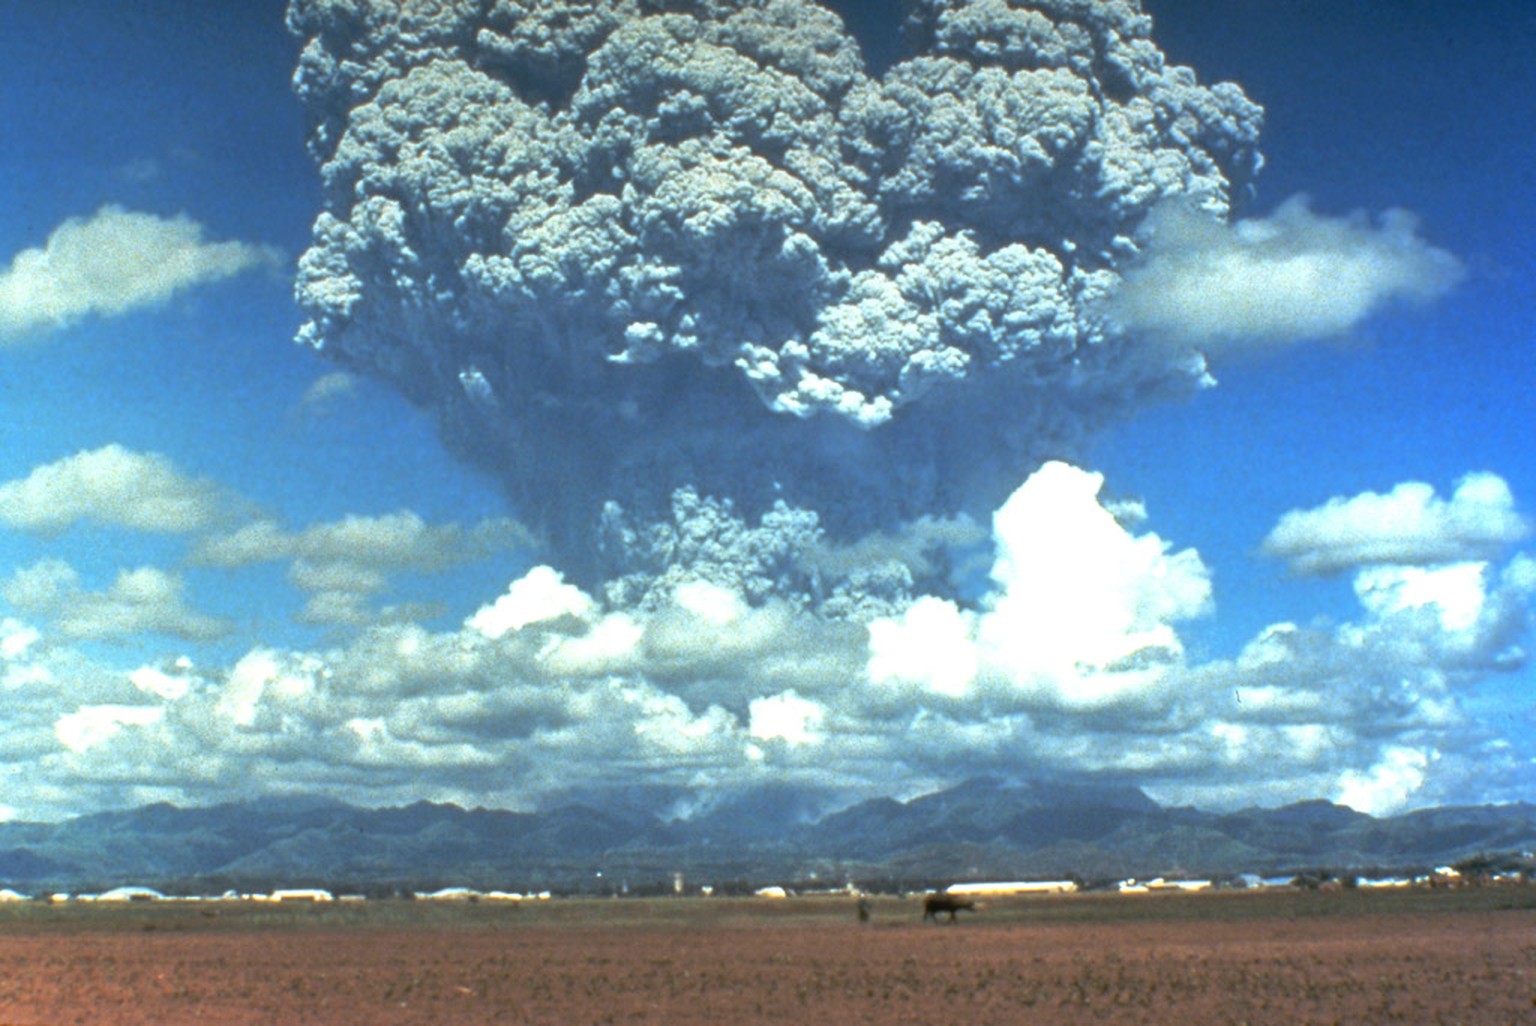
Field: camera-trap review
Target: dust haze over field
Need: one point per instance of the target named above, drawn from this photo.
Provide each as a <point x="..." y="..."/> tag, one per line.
<point x="786" y="361"/>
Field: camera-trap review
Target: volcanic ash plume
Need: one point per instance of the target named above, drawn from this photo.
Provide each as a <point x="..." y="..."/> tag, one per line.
<point x="704" y="292"/>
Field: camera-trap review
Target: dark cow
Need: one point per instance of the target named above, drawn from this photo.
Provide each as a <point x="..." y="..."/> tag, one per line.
<point x="935" y="905"/>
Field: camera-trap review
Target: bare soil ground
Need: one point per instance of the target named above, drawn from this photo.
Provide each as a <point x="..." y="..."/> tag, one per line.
<point x="1188" y="960"/>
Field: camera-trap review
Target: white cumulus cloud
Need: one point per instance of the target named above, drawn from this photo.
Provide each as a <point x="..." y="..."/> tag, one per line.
<point x="1388" y="785"/>
<point x="1079" y="596"/>
<point x="539" y="595"/>
<point x="1455" y="593"/>
<point x="1294" y="275"/>
<point x="114" y="261"/>
<point x="1082" y="612"/>
<point x="1071" y="664"/>
<point x="785" y="716"/>
<point x="16" y="638"/>
<point x="112" y="486"/>
<point x="1410" y="525"/>
<point x="91" y="725"/>
<point x="932" y="644"/>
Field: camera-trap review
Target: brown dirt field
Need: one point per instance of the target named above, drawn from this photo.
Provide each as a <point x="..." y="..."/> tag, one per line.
<point x="807" y="961"/>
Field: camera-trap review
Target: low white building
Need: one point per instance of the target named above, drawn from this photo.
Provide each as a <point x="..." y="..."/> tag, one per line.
<point x="130" y="894"/>
<point x="1376" y="883"/>
<point x="1005" y="888"/>
<point x="1161" y="885"/>
<point x="510" y="895"/>
<point x="450" y="894"/>
<point x="303" y="894"/>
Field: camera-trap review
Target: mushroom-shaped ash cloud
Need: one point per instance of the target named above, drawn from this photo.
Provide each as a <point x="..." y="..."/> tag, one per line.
<point x="687" y="276"/>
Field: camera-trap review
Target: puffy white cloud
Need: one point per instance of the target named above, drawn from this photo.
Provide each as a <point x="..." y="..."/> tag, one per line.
<point x="112" y="486"/>
<point x="1456" y="593"/>
<point x="664" y="725"/>
<point x="1081" y="615"/>
<point x="91" y="725"/>
<point x="1075" y="588"/>
<point x="710" y="602"/>
<point x="932" y="645"/>
<point x="337" y="577"/>
<point x="785" y="716"/>
<point x="1294" y="275"/>
<point x="262" y="682"/>
<point x="1371" y="711"/>
<point x="1471" y="615"/>
<point x="114" y="261"/>
<point x="1409" y="525"/>
<point x="141" y="600"/>
<point x="539" y="595"/>
<point x="560" y="691"/>
<point x="1388" y="785"/>
<point x="16" y="638"/>
<point x="255" y="542"/>
<point x="341" y="608"/>
<point x="169" y="684"/>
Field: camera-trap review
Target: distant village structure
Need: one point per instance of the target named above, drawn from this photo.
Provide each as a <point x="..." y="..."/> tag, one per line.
<point x="936" y="899"/>
<point x="1015" y="887"/>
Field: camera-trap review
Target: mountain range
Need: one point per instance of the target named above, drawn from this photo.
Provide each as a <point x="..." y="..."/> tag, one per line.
<point x="982" y="829"/>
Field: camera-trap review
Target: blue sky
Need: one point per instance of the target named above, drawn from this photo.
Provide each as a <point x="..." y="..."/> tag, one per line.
<point x="1368" y="106"/>
<point x="370" y="657"/>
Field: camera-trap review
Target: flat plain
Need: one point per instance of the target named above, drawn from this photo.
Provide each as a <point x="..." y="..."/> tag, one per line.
<point x="1421" y="957"/>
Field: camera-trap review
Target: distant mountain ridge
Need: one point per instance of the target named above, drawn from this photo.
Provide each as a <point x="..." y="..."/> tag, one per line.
<point x="980" y="829"/>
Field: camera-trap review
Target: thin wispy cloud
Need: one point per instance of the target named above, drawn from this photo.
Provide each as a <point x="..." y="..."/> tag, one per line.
<point x="326" y="393"/>
<point x="344" y="565"/>
<point x="145" y="600"/>
<point x="395" y="541"/>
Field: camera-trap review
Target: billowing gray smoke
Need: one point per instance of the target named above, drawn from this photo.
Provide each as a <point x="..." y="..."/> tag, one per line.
<point x="669" y="267"/>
